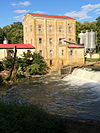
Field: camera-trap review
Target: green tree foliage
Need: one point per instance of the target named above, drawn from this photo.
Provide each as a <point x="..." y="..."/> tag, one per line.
<point x="1" y="66"/>
<point x="1" y="35"/>
<point x="98" y="33"/>
<point x="7" y="63"/>
<point x="1" y="80"/>
<point x="14" y="32"/>
<point x="29" y="64"/>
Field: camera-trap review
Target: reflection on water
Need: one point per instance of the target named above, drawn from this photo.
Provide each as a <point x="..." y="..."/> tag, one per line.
<point x="59" y="97"/>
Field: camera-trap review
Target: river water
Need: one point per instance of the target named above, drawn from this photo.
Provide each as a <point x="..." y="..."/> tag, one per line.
<point x="76" y="95"/>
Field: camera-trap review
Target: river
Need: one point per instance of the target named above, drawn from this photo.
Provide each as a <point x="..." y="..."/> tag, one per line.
<point x="76" y="95"/>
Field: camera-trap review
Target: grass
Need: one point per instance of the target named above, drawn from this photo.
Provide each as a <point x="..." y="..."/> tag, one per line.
<point x="92" y="59"/>
<point x="26" y="119"/>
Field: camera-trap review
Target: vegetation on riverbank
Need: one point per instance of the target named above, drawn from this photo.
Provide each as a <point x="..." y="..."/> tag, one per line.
<point x="30" y="64"/>
<point x="92" y="59"/>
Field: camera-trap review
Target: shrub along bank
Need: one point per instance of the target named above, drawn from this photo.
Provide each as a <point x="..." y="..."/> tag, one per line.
<point x="29" y="64"/>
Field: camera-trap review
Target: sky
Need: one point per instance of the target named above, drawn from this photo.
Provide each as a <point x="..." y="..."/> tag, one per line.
<point x="82" y="10"/>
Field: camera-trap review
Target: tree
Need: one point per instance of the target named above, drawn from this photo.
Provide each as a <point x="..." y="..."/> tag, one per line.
<point x="14" y="33"/>
<point x="98" y="33"/>
<point x="1" y="35"/>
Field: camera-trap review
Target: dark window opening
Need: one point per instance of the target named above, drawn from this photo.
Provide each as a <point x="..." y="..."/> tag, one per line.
<point x="60" y="40"/>
<point x="40" y="40"/>
<point x="40" y="52"/>
<point x="50" y="62"/>
<point x="39" y="27"/>
<point x="62" y="52"/>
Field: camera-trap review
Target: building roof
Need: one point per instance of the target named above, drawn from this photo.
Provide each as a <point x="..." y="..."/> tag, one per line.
<point x="18" y="46"/>
<point x="50" y="16"/>
<point x="75" y="46"/>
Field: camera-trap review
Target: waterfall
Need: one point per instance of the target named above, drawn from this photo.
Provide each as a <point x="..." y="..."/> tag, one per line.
<point x="87" y="74"/>
<point x="83" y="77"/>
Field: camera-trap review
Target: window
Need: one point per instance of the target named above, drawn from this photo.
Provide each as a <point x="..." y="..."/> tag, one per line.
<point x="51" y="52"/>
<point x="60" y="28"/>
<point x="29" y="51"/>
<point x="62" y="63"/>
<point x="50" y="40"/>
<point x="39" y="27"/>
<point x="62" y="52"/>
<point x="50" y="62"/>
<point x="70" y="29"/>
<point x="31" y="28"/>
<point x="40" y="40"/>
<point x="40" y="52"/>
<point x="50" y="28"/>
<point x="71" y="52"/>
<point x="60" y="40"/>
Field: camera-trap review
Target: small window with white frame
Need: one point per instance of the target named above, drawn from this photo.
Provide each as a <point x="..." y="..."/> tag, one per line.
<point x="39" y="27"/>
<point x="62" y="52"/>
<point x="50" y="28"/>
<point x="51" y="52"/>
<point x="69" y="28"/>
<point x="60" y="28"/>
<point x="50" y="40"/>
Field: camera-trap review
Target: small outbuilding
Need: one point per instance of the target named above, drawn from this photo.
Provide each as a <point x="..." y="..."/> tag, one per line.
<point x="8" y="49"/>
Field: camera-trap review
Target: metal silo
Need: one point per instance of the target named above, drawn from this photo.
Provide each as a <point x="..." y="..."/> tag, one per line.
<point x="87" y="37"/>
<point x="81" y="37"/>
<point x="92" y="39"/>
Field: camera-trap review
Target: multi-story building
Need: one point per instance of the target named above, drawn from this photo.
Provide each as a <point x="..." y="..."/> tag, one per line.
<point x="45" y="32"/>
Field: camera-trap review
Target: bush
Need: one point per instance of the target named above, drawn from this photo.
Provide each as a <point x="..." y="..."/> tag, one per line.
<point x="33" y="69"/>
<point x="93" y="59"/>
<point x="20" y="75"/>
<point x="31" y="63"/>
<point x="1" y="79"/>
<point x="7" y="63"/>
<point x="1" y="66"/>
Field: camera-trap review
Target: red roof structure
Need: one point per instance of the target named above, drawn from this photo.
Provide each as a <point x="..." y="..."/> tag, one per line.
<point x="75" y="46"/>
<point x="18" y="46"/>
<point x="50" y="16"/>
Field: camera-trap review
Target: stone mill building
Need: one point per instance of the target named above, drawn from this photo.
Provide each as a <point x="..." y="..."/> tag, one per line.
<point x="46" y="33"/>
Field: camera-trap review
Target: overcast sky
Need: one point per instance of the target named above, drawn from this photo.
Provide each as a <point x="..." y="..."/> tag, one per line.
<point x="82" y="10"/>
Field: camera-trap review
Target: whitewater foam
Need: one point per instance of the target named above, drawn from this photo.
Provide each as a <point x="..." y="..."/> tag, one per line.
<point x="84" y="78"/>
